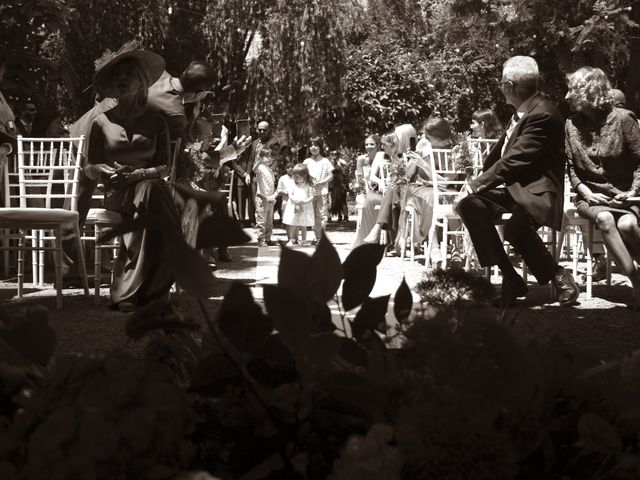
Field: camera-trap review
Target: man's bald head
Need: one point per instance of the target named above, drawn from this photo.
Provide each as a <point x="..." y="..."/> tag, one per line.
<point x="264" y="130"/>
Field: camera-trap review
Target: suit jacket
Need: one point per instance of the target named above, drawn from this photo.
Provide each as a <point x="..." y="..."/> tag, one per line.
<point x="533" y="164"/>
<point x="247" y="161"/>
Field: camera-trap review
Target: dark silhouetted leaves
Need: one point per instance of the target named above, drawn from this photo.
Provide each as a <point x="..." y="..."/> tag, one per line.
<point x="360" y="274"/>
<point x="290" y="313"/>
<point x="241" y="320"/>
<point x="272" y="364"/>
<point x="353" y="352"/>
<point x="598" y="434"/>
<point x="325" y="272"/>
<point x="371" y="316"/>
<point x="220" y="231"/>
<point x="213" y="372"/>
<point x="191" y="271"/>
<point x="402" y="302"/>
<point x="356" y="391"/>
<point x="320" y="317"/>
<point x="27" y="338"/>
<point x="156" y="316"/>
<point x="322" y="349"/>
<point x="293" y="270"/>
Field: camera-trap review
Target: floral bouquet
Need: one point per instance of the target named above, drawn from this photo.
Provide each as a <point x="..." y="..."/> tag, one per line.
<point x="397" y="176"/>
<point x="191" y="166"/>
<point x="464" y="154"/>
<point x="357" y="186"/>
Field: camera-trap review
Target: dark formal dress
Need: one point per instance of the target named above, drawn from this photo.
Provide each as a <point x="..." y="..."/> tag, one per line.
<point x="140" y="273"/>
<point x="522" y="175"/>
<point x="605" y="156"/>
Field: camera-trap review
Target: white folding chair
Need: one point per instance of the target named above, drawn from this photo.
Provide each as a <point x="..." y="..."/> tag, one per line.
<point x="482" y="147"/>
<point x="579" y="228"/>
<point x="47" y="170"/>
<point x="446" y="187"/>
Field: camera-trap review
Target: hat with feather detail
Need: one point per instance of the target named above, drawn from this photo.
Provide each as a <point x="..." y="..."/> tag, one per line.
<point x="151" y="66"/>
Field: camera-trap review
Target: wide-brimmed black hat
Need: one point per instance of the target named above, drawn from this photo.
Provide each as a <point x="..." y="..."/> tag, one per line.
<point x="151" y="66"/>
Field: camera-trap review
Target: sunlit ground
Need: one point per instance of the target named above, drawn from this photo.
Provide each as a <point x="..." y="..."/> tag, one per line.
<point x="602" y="326"/>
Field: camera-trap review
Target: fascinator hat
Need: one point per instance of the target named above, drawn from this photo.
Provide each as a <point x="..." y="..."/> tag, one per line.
<point x="151" y="66"/>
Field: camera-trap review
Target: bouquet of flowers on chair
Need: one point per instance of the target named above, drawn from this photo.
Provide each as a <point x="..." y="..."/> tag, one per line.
<point x="397" y="176"/>
<point x="358" y="188"/>
<point x="464" y="157"/>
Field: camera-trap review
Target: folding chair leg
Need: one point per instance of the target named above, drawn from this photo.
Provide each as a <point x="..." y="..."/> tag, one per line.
<point x="34" y="257"/>
<point x="21" y="240"/>
<point x="58" y="264"/>
<point x="80" y="255"/>
<point x="97" y="265"/>
<point x="427" y="252"/>
<point x="5" y="246"/>
<point x="589" y="248"/>
<point x="443" y="245"/>
<point x="41" y="257"/>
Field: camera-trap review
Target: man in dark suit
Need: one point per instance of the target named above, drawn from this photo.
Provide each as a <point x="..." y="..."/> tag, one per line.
<point x="24" y="121"/>
<point x="244" y="187"/>
<point x="523" y="175"/>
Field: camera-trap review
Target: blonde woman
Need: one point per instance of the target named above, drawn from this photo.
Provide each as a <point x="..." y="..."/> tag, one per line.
<point x="394" y="145"/>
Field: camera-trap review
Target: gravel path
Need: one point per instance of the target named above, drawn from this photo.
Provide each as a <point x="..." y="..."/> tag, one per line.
<point x="600" y="326"/>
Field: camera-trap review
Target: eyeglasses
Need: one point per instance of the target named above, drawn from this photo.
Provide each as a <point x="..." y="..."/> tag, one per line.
<point x="504" y="82"/>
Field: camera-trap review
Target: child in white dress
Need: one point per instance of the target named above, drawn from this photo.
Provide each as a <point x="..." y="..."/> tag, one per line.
<point x="298" y="214"/>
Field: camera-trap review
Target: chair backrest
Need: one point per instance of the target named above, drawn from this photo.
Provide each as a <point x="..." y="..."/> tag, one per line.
<point x="48" y="169"/>
<point x="483" y="146"/>
<point x="447" y="180"/>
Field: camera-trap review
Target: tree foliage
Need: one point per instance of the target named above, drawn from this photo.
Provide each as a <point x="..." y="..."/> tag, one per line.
<point x="332" y="67"/>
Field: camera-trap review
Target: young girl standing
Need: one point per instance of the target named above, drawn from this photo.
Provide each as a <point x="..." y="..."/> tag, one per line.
<point x="321" y="171"/>
<point x="298" y="213"/>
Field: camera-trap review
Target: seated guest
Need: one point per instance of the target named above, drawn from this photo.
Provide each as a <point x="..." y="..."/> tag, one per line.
<point x="485" y="124"/>
<point x="368" y="168"/>
<point x="603" y="151"/>
<point x="394" y="146"/>
<point x="523" y="175"/>
<point x="48" y="123"/>
<point x="419" y="192"/>
<point x="129" y="149"/>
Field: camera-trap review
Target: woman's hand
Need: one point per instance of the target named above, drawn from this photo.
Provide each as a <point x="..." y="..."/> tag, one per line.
<point x="140" y="174"/>
<point x="592" y="198"/>
<point x="621" y="199"/>
<point x="597" y="199"/>
<point x="95" y="170"/>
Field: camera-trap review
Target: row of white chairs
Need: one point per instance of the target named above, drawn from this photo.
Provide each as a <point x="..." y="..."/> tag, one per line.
<point x="580" y="233"/>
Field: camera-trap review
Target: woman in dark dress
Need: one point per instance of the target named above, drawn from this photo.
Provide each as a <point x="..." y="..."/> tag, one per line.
<point x="129" y="148"/>
<point x="603" y="151"/>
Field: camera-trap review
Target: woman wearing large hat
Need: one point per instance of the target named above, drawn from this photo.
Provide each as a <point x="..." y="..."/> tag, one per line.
<point x="129" y="151"/>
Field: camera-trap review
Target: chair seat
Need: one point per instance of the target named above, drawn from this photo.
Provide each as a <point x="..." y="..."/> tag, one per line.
<point x="102" y="215"/>
<point x="37" y="215"/>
